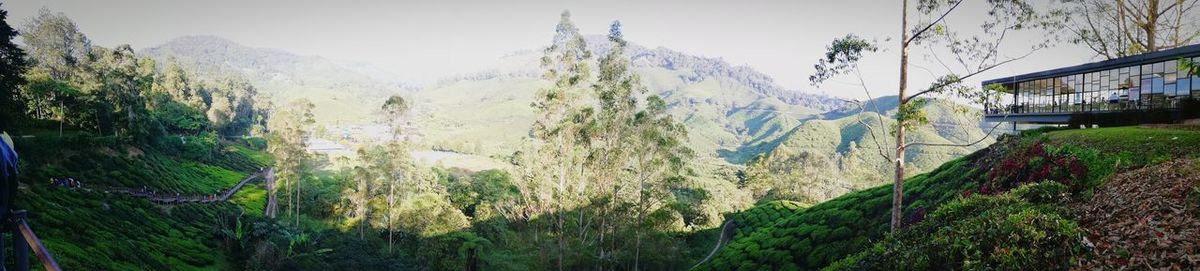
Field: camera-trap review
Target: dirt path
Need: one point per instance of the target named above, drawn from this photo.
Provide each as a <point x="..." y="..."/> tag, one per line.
<point x="727" y="231"/>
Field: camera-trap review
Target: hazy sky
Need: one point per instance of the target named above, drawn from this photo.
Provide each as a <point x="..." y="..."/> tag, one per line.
<point x="424" y="40"/>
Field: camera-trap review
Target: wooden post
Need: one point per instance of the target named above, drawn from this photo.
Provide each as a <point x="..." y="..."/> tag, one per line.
<point x="20" y="249"/>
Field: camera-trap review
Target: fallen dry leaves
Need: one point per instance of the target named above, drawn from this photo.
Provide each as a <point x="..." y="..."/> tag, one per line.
<point x="1141" y="220"/>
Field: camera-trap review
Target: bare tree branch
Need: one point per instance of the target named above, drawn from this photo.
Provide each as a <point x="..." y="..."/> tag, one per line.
<point x="981" y="139"/>
<point x="917" y="35"/>
<point x="939" y="87"/>
<point x="878" y="114"/>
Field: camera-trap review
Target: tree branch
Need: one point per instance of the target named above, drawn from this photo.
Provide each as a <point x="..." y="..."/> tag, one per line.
<point x="878" y="114"/>
<point x="935" y="22"/>
<point x="981" y="139"/>
<point x="938" y="87"/>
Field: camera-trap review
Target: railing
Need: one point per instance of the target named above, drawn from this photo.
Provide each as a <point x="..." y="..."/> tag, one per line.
<point x="1110" y="105"/>
<point x="21" y="249"/>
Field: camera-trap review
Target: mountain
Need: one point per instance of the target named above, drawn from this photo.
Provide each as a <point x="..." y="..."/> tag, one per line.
<point x="338" y="89"/>
<point x="731" y="112"/>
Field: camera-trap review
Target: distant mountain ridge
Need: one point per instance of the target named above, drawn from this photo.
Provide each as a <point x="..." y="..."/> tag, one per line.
<point x="733" y="113"/>
<point x="641" y="56"/>
<point x="338" y="88"/>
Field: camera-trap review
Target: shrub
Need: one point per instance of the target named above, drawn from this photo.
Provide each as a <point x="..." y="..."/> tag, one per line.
<point x="763" y="215"/>
<point x="1011" y="231"/>
<point x="1043" y="193"/>
<point x="1034" y="161"/>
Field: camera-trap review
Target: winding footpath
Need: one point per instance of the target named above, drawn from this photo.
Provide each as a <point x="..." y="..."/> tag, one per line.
<point x="163" y="198"/>
<point x="727" y="231"/>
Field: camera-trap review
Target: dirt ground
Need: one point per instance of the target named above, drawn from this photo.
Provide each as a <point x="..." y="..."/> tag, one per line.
<point x="1145" y="219"/>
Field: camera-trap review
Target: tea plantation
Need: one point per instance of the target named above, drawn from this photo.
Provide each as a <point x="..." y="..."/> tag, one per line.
<point x="1004" y="207"/>
<point x="88" y="229"/>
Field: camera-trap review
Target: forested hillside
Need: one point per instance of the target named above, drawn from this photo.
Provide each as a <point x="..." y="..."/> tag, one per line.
<point x="338" y="88"/>
<point x="734" y="112"/>
<point x="821" y="159"/>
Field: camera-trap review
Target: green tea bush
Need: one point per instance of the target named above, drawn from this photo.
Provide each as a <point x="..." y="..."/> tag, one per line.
<point x="763" y="215"/>
<point x="813" y="238"/>
<point x="1046" y="192"/>
<point x="1019" y="230"/>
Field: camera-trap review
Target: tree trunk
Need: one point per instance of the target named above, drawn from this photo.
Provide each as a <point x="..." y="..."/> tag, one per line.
<point x="391" y="211"/>
<point x="898" y="182"/>
<point x="271" y="201"/>
<point x="298" y="181"/>
<point x="562" y="179"/>
<point x="1151" y="25"/>
<point x="62" y="118"/>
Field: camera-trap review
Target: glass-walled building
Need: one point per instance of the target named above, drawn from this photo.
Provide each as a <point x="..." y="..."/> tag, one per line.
<point x="1152" y="82"/>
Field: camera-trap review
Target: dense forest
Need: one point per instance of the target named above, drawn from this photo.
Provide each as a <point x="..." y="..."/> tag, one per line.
<point x="174" y="158"/>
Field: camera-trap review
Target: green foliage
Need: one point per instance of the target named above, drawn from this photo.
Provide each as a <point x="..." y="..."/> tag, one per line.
<point x="87" y="229"/>
<point x="764" y="215"/>
<point x="1135" y="146"/>
<point x="430" y="214"/>
<point x="842" y="56"/>
<point x="113" y="91"/>
<point x="1019" y="222"/>
<point x="118" y="165"/>
<point x="822" y="159"/>
<point x="12" y="65"/>
<point x="910" y="114"/>
<point x="178" y="118"/>
<point x="1043" y="193"/>
<point x="828" y="231"/>
<point x="481" y="190"/>
<point x="1033" y="161"/>
<point x="1026" y="229"/>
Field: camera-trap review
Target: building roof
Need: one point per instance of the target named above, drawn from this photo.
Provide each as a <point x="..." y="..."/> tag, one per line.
<point x="1164" y="55"/>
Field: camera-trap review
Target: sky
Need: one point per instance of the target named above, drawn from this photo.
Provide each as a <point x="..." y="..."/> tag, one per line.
<point x="421" y="41"/>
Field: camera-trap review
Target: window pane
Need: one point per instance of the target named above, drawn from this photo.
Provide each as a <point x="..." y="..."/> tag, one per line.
<point x="1195" y="82"/>
<point x="1195" y="78"/>
<point x="1158" y="85"/>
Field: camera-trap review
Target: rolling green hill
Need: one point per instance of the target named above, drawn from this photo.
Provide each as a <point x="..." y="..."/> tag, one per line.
<point x="88" y="228"/>
<point x="1022" y="203"/>
<point x="824" y="158"/>
<point x="95" y="228"/>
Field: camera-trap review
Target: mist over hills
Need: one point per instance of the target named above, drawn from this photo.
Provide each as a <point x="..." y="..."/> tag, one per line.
<point x="337" y="88"/>
<point x="733" y="113"/>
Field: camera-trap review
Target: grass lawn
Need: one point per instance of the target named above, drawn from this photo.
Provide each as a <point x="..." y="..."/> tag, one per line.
<point x="1139" y="145"/>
